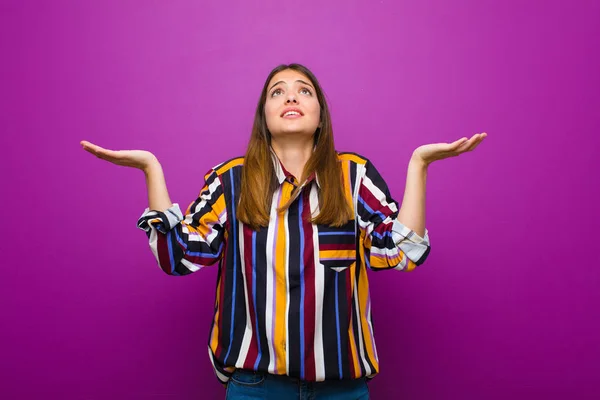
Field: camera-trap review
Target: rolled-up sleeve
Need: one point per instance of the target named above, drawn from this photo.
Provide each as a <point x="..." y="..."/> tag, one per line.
<point x="388" y="243"/>
<point x="184" y="244"/>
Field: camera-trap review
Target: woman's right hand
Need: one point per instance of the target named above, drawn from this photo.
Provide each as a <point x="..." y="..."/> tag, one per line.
<point x="139" y="159"/>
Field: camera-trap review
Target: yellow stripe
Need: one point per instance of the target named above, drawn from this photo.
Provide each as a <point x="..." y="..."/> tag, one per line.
<point x="385" y="262"/>
<point x="352" y="157"/>
<point x="353" y="351"/>
<point x="219" y="205"/>
<point x="230" y="164"/>
<point x="363" y="290"/>
<point x="347" y="183"/>
<point x="344" y="254"/>
<point x="410" y="266"/>
<point x="214" y="338"/>
<point x="280" y="286"/>
<point x="210" y="218"/>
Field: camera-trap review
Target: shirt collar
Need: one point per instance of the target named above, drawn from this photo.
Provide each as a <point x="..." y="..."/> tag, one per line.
<point x="282" y="173"/>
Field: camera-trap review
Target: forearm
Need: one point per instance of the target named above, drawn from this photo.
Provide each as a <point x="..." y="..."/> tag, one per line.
<point x="412" y="211"/>
<point x="158" y="195"/>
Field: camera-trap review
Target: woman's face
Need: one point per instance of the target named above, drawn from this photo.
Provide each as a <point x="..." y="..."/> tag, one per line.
<point x="292" y="106"/>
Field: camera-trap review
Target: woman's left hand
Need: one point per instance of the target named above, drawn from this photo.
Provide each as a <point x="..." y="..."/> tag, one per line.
<point x="429" y="153"/>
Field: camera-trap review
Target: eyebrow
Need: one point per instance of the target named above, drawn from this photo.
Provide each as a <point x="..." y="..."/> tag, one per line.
<point x="299" y="80"/>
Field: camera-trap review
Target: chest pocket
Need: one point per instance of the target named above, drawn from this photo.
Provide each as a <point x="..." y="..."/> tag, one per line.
<point x="337" y="245"/>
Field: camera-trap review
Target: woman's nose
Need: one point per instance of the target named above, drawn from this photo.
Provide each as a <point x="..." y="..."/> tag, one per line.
<point x="291" y="99"/>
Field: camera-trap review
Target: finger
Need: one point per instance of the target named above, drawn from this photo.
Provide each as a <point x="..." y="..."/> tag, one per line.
<point x="88" y="145"/>
<point x="473" y="142"/>
<point x="477" y="144"/>
<point x="92" y="148"/>
<point x="457" y="144"/>
<point x="111" y="158"/>
<point x="100" y="152"/>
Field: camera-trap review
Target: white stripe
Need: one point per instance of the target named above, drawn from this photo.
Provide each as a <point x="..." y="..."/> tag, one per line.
<point x="269" y="293"/>
<point x="174" y="215"/>
<point x="190" y="265"/>
<point x="360" y="171"/>
<point x="220" y="376"/>
<point x="360" y="336"/>
<point x="152" y="241"/>
<point x="384" y="252"/>
<point x="248" y="332"/>
<point x="413" y="245"/>
<point x="287" y="289"/>
<point x="211" y="189"/>
<point x="196" y="237"/>
<point x="371" y="330"/>
<point x="319" y="293"/>
<point x="380" y="196"/>
<point x="402" y="264"/>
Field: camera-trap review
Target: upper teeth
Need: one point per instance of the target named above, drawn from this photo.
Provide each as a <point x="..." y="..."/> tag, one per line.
<point x="291" y="113"/>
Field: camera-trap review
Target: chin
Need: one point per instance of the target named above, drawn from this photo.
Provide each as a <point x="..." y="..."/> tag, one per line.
<point x="289" y="131"/>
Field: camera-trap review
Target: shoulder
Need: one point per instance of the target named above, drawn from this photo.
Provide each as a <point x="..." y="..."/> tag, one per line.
<point x="226" y="166"/>
<point x="353" y="158"/>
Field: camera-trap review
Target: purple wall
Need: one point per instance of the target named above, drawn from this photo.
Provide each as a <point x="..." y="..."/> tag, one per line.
<point x="505" y="307"/>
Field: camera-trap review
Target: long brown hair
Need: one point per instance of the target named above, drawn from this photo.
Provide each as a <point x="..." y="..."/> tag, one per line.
<point x="259" y="179"/>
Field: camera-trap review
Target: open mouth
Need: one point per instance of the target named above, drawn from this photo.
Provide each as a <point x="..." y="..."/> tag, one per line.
<point x="292" y="113"/>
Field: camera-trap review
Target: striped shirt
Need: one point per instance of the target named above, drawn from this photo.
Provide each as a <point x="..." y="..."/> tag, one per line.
<point x="291" y="298"/>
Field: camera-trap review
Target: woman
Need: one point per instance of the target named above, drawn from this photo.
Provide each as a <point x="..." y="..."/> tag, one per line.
<point x="294" y="225"/>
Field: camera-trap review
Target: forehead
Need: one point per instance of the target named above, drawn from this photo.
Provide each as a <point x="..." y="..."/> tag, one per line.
<point x="289" y="76"/>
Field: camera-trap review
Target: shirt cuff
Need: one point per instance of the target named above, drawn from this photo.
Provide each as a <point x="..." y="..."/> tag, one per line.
<point x="414" y="246"/>
<point x="163" y="221"/>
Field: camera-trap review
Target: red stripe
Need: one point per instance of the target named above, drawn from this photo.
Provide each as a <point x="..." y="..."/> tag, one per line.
<point x="309" y="292"/>
<point x="374" y="202"/>
<point x="350" y="315"/>
<point x="219" y="312"/>
<point x="253" y="348"/>
<point x="162" y="248"/>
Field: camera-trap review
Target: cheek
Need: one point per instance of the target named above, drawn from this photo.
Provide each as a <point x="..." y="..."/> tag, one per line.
<point x="270" y="113"/>
<point x="317" y="112"/>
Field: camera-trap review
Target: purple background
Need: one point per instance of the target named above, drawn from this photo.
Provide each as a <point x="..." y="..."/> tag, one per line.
<point x="505" y="307"/>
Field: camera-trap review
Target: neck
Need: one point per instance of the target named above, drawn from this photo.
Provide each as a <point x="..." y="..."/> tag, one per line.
<point x="293" y="154"/>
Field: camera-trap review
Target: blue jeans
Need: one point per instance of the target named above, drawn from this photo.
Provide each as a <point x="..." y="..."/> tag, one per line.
<point x="246" y="385"/>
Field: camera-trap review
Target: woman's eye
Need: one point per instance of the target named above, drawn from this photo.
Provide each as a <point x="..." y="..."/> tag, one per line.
<point x="276" y="92"/>
<point x="305" y="91"/>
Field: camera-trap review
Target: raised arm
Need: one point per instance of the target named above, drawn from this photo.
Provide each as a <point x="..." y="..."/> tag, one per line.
<point x="181" y="244"/>
<point x="412" y="211"/>
<point x="158" y="195"/>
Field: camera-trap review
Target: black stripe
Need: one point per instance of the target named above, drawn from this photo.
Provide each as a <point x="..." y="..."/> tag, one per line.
<point x="293" y="345"/>
<point x="360" y="271"/>
<point x="424" y="256"/>
<point x="330" y="353"/>
<point x="261" y="296"/>
<point x="344" y="313"/>
<point x="233" y="253"/>
<point x="225" y="163"/>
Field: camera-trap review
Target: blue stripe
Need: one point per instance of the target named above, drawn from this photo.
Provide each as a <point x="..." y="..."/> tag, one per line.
<point x="337" y="325"/>
<point x="233" y="295"/>
<point x="171" y="259"/>
<point x="370" y="210"/>
<point x="197" y="253"/>
<point x="301" y="289"/>
<point x="335" y="233"/>
<point x="181" y="242"/>
<point x="206" y="255"/>
<point x="380" y="236"/>
<point x="254" y="297"/>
